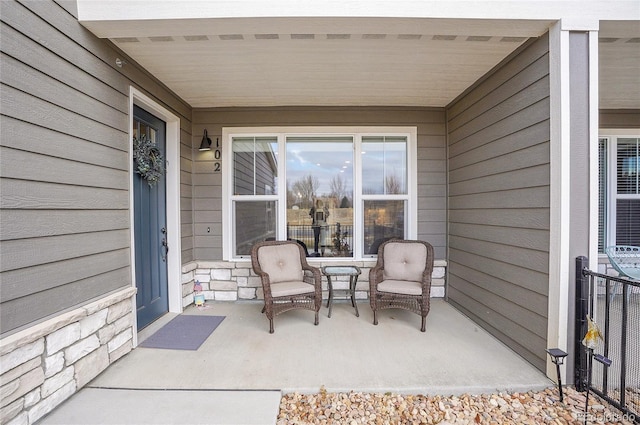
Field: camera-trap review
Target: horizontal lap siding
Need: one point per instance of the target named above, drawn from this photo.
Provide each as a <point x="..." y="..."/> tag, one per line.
<point x="186" y="189"/>
<point x="498" y="198"/>
<point x="431" y="151"/>
<point x="64" y="163"/>
<point x="620" y="118"/>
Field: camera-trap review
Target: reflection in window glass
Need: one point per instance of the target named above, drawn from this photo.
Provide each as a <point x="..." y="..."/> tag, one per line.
<point x="383" y="220"/>
<point x="319" y="174"/>
<point x="145" y="130"/>
<point x="254" y="221"/>
<point x="384" y="165"/>
<point x="255" y="165"/>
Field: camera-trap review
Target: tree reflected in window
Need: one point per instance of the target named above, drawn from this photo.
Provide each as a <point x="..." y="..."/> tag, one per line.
<point x="319" y="194"/>
<point x="384" y="165"/>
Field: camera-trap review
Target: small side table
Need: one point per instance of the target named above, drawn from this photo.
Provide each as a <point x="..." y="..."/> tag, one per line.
<point x="353" y="272"/>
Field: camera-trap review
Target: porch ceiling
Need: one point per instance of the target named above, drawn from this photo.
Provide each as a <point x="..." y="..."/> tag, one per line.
<point x="245" y="62"/>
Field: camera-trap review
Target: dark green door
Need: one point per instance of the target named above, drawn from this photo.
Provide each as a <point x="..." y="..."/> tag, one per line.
<point x="150" y="227"/>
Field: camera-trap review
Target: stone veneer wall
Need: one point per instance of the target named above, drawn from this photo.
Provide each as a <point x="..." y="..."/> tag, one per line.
<point x="232" y="281"/>
<point x="42" y="366"/>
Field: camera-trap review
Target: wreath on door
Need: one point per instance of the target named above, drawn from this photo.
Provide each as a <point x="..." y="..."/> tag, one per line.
<point x="148" y="159"/>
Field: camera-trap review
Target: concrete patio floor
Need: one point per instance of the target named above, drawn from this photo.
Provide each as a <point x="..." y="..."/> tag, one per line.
<point x="343" y="353"/>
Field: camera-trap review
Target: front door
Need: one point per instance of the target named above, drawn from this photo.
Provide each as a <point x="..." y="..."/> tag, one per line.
<point x="150" y="226"/>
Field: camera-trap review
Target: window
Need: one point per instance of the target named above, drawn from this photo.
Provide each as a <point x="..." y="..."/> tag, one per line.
<point x="338" y="193"/>
<point x="619" y="191"/>
<point x="255" y="177"/>
<point x="384" y="189"/>
<point x="320" y="192"/>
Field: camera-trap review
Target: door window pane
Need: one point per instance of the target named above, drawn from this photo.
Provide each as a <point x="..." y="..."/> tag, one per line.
<point x="383" y="220"/>
<point x="255" y="221"/>
<point x="319" y="173"/>
<point x="384" y="165"/>
<point x="255" y="165"/>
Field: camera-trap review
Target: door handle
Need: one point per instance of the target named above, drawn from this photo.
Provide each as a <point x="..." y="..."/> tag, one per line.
<point x="165" y="251"/>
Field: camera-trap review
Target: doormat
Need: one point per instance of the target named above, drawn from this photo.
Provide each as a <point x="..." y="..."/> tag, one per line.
<point x="184" y="332"/>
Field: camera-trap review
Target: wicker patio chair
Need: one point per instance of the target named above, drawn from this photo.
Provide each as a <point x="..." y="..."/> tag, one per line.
<point x="625" y="260"/>
<point x="288" y="281"/>
<point x="402" y="278"/>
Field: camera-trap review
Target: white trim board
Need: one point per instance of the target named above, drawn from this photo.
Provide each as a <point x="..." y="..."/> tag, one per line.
<point x="174" y="275"/>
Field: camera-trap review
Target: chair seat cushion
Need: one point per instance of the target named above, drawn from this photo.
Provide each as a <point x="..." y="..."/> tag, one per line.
<point x="404" y="261"/>
<point x="294" y="287"/>
<point x="281" y="262"/>
<point x="406" y="287"/>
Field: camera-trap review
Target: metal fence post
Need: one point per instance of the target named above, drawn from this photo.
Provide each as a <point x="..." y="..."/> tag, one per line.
<point x="582" y="309"/>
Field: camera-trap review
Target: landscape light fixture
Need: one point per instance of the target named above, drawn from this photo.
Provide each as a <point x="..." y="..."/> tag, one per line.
<point x="557" y="357"/>
<point x="205" y="145"/>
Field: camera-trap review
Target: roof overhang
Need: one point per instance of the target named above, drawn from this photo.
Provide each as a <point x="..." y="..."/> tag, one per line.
<point x="348" y="53"/>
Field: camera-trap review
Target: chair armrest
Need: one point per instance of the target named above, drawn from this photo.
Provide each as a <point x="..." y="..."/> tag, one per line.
<point x="426" y="283"/>
<point x="376" y="275"/>
<point x="312" y="275"/>
<point x="266" y="287"/>
<point x="426" y="278"/>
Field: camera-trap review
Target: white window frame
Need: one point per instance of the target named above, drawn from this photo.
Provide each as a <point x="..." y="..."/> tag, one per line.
<point x="228" y="133"/>
<point x="611" y="197"/>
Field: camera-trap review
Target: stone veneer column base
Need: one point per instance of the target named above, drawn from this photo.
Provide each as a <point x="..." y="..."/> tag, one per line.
<point x="42" y="366"/>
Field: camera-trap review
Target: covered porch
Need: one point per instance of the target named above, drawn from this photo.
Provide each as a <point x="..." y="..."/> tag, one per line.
<point x="342" y="353"/>
<point x="244" y="366"/>
<point x="483" y="101"/>
<point x="500" y="110"/>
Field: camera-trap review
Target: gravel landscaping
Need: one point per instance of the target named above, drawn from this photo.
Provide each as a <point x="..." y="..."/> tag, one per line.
<point x="541" y="407"/>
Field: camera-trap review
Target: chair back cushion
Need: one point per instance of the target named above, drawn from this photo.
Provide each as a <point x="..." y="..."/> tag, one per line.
<point x="404" y="261"/>
<point x="281" y="262"/>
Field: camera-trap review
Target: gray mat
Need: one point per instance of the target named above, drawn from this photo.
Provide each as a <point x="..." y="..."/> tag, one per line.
<point x="184" y="332"/>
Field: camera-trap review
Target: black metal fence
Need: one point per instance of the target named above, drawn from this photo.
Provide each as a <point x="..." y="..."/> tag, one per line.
<point x="333" y="240"/>
<point x="614" y="304"/>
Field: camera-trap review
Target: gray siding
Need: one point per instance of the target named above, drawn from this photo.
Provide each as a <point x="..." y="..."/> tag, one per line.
<point x="207" y="185"/>
<point x="498" y="150"/>
<point x="64" y="161"/>
<point x="620" y="118"/>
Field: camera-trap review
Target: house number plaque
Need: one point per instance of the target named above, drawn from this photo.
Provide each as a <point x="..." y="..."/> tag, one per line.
<point x="217" y="156"/>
